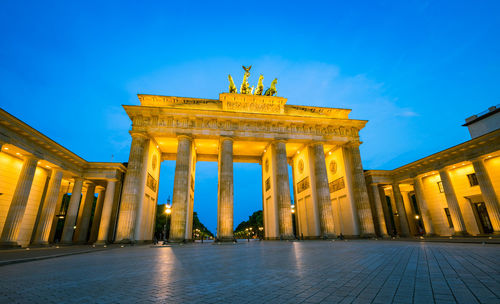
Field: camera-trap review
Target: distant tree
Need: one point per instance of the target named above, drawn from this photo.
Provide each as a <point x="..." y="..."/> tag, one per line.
<point x="163" y="220"/>
<point x="255" y="221"/>
<point x="203" y="231"/>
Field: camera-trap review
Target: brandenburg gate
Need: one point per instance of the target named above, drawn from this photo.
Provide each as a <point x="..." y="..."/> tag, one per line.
<point x="320" y="144"/>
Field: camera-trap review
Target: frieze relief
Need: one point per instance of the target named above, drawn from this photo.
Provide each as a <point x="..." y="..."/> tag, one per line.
<point x="141" y="122"/>
<point x="154" y="100"/>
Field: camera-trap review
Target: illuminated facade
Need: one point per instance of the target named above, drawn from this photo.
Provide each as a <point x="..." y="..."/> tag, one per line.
<point x="320" y="144"/>
<point x="36" y="174"/>
<point x="453" y="192"/>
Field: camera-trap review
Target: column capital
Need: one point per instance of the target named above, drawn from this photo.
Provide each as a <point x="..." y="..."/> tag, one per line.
<point x="480" y="159"/>
<point x="277" y="140"/>
<point x="353" y="143"/>
<point x="77" y="178"/>
<point x="31" y="157"/>
<point x="138" y="135"/>
<point x="184" y="136"/>
<point x="224" y="138"/>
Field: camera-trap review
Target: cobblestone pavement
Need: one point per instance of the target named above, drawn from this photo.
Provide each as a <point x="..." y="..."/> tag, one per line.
<point x="257" y="272"/>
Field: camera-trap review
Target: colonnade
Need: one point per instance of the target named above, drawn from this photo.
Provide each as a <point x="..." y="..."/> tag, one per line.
<point x="78" y="214"/>
<point x="181" y="221"/>
<point x="456" y="212"/>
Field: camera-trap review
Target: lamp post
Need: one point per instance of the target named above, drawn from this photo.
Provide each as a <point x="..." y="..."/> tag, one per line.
<point x="168" y="211"/>
<point x="294" y="228"/>
<point x="261" y="235"/>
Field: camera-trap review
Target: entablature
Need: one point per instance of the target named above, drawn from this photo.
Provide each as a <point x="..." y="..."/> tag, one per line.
<point x="216" y="123"/>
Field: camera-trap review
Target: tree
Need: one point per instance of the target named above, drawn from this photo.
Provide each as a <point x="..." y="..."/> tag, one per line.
<point x="255" y="221"/>
<point x="163" y="220"/>
<point x="203" y="231"/>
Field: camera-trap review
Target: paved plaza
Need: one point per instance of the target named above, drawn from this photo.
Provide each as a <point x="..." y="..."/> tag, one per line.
<point x="257" y="272"/>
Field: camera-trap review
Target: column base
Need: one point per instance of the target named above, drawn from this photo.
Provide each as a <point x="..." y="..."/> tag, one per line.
<point x="41" y="244"/>
<point x="65" y="243"/>
<point x="461" y="233"/>
<point x="225" y="240"/>
<point x="9" y="245"/>
<point x="328" y="237"/>
<point x="368" y="236"/>
<point x="126" y="241"/>
<point x="100" y="243"/>
<point x="179" y="240"/>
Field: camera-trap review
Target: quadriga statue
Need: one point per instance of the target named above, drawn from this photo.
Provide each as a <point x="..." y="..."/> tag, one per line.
<point x="232" y="87"/>
<point x="245" y="87"/>
<point x="272" y="90"/>
<point x="260" y="86"/>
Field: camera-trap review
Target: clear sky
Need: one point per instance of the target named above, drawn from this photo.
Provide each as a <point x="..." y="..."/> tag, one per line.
<point x="414" y="69"/>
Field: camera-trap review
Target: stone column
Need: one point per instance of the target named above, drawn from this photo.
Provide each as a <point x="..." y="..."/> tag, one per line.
<point x="47" y="217"/>
<point x="72" y="212"/>
<point x="488" y="192"/>
<point x="323" y="192"/>
<point x="130" y="193"/>
<point x="283" y="191"/>
<point x="379" y="210"/>
<point x="97" y="215"/>
<point x="359" y="189"/>
<point x="422" y="204"/>
<point x="82" y="227"/>
<point x="18" y="204"/>
<point x="225" y="191"/>
<point x="107" y="206"/>
<point x="451" y="199"/>
<point x="180" y="199"/>
<point x="403" y="218"/>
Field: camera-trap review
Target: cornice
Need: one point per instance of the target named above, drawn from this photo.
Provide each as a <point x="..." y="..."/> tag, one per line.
<point x="467" y="151"/>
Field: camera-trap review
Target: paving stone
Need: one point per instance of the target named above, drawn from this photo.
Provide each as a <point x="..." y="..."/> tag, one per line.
<point x="263" y="272"/>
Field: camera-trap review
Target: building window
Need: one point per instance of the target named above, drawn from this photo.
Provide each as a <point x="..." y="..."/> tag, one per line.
<point x="448" y="216"/>
<point x="440" y="186"/>
<point x="268" y="183"/>
<point x="472" y="179"/>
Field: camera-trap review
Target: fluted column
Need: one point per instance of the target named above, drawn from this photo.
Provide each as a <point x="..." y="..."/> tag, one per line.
<point x="422" y="204"/>
<point x="107" y="207"/>
<point x="379" y="210"/>
<point x="488" y="192"/>
<point x="180" y="199"/>
<point x="323" y="192"/>
<point x="403" y="218"/>
<point x="131" y="187"/>
<point x="72" y="212"/>
<point x="359" y="189"/>
<point x="225" y="191"/>
<point x="283" y="191"/>
<point x="82" y="226"/>
<point x="18" y="204"/>
<point x="97" y="215"/>
<point x="451" y="199"/>
<point x="47" y="217"/>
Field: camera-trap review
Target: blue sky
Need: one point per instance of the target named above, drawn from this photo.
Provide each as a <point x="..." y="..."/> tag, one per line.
<point x="414" y="69"/>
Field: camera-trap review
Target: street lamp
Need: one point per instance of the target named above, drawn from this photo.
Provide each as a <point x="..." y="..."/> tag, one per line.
<point x="293" y="208"/>
<point x="168" y="211"/>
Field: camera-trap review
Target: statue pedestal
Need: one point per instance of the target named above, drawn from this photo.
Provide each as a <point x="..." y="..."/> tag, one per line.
<point x="252" y="103"/>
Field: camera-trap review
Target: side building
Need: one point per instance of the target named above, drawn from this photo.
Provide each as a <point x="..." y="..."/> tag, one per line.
<point x="453" y="192"/>
<point x="49" y="194"/>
